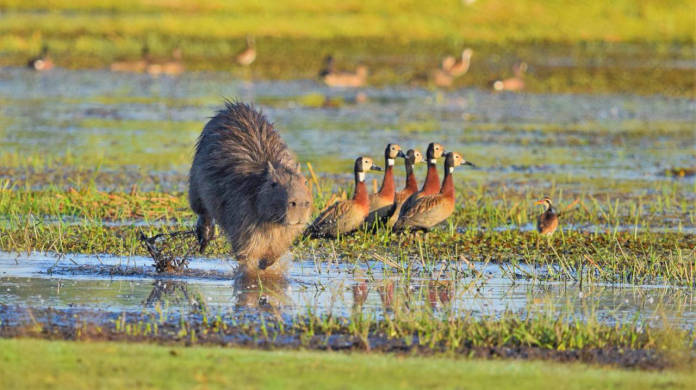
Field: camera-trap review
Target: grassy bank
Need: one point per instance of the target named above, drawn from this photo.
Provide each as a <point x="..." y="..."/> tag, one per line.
<point x="406" y="20"/>
<point x="401" y="41"/>
<point x="46" y="364"/>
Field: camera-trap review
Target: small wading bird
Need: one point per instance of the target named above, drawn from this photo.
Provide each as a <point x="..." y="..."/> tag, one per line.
<point x="430" y="210"/>
<point x="173" y="67"/>
<point x="412" y="157"/>
<point x="41" y="62"/>
<point x="381" y="202"/>
<point x="247" y="56"/>
<point x="333" y="78"/>
<point x="547" y="223"/>
<point x="515" y="83"/>
<point x="344" y="217"/>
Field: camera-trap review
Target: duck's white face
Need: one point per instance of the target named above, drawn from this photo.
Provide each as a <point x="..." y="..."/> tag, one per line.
<point x="417" y="156"/>
<point x="365" y="164"/>
<point x="438" y="150"/>
<point x="394" y="151"/>
<point x="456" y="161"/>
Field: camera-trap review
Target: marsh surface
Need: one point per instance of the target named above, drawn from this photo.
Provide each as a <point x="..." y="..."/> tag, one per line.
<point x="88" y="158"/>
<point x="116" y="285"/>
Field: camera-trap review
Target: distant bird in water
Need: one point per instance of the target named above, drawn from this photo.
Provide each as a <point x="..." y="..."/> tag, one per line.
<point x="515" y="83"/>
<point x="442" y="78"/>
<point x="452" y="68"/>
<point x="333" y="78"/>
<point x="172" y="67"/>
<point x="42" y="62"/>
<point x="461" y="66"/>
<point x="247" y="56"/>
<point x="137" y="66"/>
<point x="547" y="223"/>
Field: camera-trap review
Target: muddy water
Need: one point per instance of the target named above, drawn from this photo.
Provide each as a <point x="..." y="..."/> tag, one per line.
<point x="116" y="285"/>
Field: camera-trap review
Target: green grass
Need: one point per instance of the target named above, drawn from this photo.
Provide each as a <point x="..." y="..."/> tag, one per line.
<point x="72" y="365"/>
<point x="400" y="41"/>
<point x="611" y="241"/>
<point x="484" y="20"/>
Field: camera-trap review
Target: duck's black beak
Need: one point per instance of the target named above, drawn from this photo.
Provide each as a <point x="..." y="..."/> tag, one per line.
<point x="401" y="154"/>
<point x="375" y="168"/>
<point x="469" y="163"/>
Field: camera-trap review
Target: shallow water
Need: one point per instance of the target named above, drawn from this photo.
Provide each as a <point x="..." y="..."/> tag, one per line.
<point x="117" y="285"/>
<point x="105" y="119"/>
<point x="120" y="129"/>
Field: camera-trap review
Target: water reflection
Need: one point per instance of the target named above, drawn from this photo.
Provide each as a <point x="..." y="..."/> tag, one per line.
<point x="130" y="285"/>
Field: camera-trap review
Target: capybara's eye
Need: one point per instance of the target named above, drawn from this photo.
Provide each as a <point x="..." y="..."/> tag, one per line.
<point x="274" y="184"/>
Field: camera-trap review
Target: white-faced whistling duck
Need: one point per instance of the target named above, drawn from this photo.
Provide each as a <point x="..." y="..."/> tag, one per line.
<point x="461" y="66"/>
<point x="343" y="217"/>
<point x="137" y="66"/>
<point x="42" y="62"/>
<point x="333" y="78"/>
<point x="515" y="83"/>
<point x="431" y="210"/>
<point x="547" y="223"/>
<point x="247" y="56"/>
<point x="382" y="201"/>
<point x="173" y="67"/>
<point x="413" y="157"/>
<point x="431" y="185"/>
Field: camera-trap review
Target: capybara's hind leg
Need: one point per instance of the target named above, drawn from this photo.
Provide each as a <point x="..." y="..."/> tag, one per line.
<point x="204" y="231"/>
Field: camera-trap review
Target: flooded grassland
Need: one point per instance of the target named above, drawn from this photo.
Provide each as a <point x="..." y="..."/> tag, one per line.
<point x="89" y="159"/>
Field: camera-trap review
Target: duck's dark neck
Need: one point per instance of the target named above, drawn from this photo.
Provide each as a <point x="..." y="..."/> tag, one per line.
<point x="388" y="187"/>
<point x="361" y="196"/>
<point x="411" y="183"/>
<point x="447" y="188"/>
<point x="432" y="180"/>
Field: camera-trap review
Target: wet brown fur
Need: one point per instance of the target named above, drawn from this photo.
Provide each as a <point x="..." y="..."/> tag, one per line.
<point x="245" y="179"/>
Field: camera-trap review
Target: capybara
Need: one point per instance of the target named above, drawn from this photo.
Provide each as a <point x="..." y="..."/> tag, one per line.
<point x="245" y="179"/>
